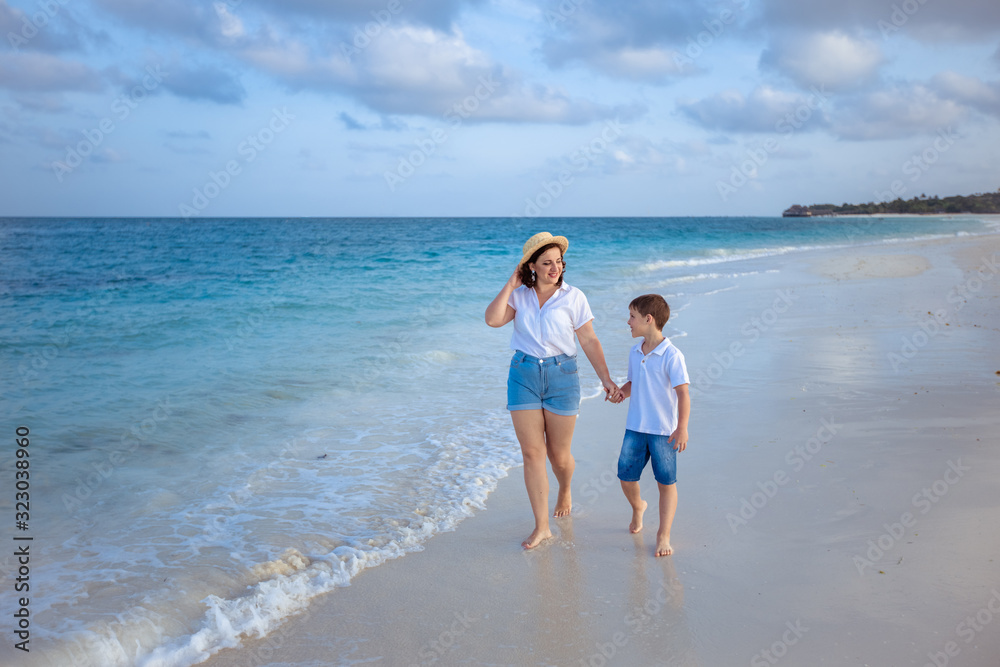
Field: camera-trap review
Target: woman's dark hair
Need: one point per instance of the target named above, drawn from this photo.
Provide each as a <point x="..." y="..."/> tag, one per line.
<point x="528" y="279"/>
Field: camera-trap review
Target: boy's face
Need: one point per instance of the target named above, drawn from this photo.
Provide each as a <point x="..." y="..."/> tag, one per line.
<point x="641" y="326"/>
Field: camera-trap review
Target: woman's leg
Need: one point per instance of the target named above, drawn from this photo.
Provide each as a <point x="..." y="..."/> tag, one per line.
<point x="529" y="425"/>
<point x="558" y="439"/>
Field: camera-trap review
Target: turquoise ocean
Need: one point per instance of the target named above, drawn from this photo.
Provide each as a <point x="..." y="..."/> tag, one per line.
<point x="229" y="417"/>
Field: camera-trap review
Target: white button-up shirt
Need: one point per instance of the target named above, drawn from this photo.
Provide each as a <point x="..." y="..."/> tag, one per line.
<point x="549" y="330"/>
<point x="652" y="405"/>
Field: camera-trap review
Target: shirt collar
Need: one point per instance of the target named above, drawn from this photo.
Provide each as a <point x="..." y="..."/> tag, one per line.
<point x="658" y="350"/>
<point x="562" y="288"/>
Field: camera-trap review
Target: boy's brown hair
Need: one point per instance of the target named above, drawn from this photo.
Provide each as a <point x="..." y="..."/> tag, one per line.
<point x="652" y="304"/>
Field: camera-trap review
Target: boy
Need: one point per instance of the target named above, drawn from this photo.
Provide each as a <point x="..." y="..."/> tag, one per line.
<point x="657" y="422"/>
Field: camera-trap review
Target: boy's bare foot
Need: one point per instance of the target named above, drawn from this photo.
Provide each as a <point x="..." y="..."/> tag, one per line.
<point x="564" y="503"/>
<point x="663" y="547"/>
<point x="537" y="537"/>
<point x="636" y="524"/>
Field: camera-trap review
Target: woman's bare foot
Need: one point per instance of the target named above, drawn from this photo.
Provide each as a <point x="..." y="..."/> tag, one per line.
<point x="636" y="524"/>
<point x="564" y="503"/>
<point x="663" y="547"/>
<point x="537" y="537"/>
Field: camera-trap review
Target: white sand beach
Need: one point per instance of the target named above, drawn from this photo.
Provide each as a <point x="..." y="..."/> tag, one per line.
<point x="838" y="499"/>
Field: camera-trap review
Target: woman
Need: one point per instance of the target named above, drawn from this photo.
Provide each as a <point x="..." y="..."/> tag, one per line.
<point x="543" y="387"/>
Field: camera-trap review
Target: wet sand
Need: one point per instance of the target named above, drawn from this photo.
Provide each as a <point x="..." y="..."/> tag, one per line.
<point x="838" y="499"/>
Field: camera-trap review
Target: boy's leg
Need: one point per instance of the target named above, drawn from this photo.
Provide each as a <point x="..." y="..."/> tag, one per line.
<point x="664" y="458"/>
<point x="633" y="458"/>
<point x="529" y="425"/>
<point x="558" y="441"/>
<point x="668" y="506"/>
<point x="631" y="490"/>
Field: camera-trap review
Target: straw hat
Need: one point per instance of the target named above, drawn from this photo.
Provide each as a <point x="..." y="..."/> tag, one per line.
<point x="541" y="239"/>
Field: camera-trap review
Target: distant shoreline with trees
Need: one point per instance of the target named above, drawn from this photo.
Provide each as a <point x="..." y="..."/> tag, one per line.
<point x="988" y="202"/>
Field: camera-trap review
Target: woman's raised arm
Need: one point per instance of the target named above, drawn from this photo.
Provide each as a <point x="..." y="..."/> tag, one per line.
<point x="498" y="313"/>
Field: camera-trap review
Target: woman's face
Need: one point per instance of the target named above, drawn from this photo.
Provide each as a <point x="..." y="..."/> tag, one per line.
<point x="548" y="267"/>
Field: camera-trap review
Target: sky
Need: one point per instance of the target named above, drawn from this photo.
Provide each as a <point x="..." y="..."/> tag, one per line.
<point x="287" y="108"/>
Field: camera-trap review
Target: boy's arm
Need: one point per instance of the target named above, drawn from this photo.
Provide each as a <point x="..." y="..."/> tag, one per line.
<point x="680" y="435"/>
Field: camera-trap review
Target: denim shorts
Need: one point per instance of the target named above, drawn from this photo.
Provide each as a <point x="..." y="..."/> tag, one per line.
<point x="639" y="448"/>
<point x="552" y="383"/>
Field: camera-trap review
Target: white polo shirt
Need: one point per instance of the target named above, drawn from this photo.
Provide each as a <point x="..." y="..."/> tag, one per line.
<point x="549" y="330"/>
<point x="652" y="406"/>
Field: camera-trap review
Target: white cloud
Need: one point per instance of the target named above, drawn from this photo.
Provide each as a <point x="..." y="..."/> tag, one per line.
<point x="640" y="41"/>
<point x="925" y="20"/>
<point x="107" y="155"/>
<point x="43" y="102"/>
<point x="202" y="82"/>
<point x="38" y="72"/>
<point x="968" y="90"/>
<point x="421" y="71"/>
<point x="45" y="27"/>
<point x="833" y="59"/>
<point x="46" y="137"/>
<point x="652" y="64"/>
<point x="202" y="23"/>
<point x="309" y="162"/>
<point x="642" y="154"/>
<point x="422" y="59"/>
<point x="764" y="110"/>
<point x="439" y="14"/>
<point x="902" y="110"/>
<point x="229" y="25"/>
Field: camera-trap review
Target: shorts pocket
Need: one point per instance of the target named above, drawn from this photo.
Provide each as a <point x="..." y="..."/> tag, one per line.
<point x="569" y="367"/>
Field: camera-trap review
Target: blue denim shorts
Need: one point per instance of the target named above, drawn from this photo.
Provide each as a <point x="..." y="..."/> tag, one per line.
<point x="639" y="448"/>
<point x="552" y="383"/>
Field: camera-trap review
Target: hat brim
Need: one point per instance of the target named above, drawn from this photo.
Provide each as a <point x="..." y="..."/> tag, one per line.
<point x="560" y="241"/>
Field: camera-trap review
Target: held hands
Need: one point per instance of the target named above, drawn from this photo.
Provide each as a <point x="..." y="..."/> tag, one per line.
<point x="613" y="392"/>
<point x="616" y="395"/>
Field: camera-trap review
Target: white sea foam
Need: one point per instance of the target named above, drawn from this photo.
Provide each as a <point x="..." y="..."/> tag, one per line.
<point x="431" y="492"/>
<point x="692" y="278"/>
<point x="293" y="580"/>
<point x="721" y="289"/>
<point x="721" y="255"/>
